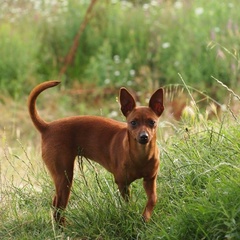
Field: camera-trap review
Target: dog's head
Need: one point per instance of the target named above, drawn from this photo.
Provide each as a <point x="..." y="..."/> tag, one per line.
<point x="142" y="121"/>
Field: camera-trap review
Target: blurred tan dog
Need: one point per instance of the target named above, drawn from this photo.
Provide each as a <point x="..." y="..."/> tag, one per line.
<point x="128" y="150"/>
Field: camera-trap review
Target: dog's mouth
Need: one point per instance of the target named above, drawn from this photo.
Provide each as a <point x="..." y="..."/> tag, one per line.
<point x="143" y="141"/>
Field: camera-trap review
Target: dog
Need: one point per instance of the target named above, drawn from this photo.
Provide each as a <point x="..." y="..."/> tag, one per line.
<point x="128" y="149"/>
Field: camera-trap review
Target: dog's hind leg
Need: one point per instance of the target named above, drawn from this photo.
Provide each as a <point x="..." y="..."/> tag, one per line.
<point x="62" y="175"/>
<point x="63" y="184"/>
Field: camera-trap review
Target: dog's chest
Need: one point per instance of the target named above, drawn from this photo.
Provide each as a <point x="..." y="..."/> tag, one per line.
<point x="133" y="171"/>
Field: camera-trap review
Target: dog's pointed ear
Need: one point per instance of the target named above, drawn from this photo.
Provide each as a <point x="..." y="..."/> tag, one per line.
<point x="156" y="102"/>
<point x="127" y="101"/>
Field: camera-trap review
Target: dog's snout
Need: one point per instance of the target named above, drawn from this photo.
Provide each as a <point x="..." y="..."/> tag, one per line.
<point x="143" y="138"/>
<point x="144" y="135"/>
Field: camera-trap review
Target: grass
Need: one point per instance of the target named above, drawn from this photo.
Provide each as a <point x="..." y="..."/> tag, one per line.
<point x="204" y="179"/>
<point x="141" y="46"/>
<point x="198" y="189"/>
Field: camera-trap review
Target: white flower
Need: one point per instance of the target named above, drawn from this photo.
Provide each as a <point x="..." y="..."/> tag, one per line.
<point x="145" y="6"/>
<point x="154" y="3"/>
<point x="116" y="59"/>
<point x="113" y="114"/>
<point x="107" y="81"/>
<point x="129" y="83"/>
<point x="199" y="11"/>
<point x="178" y="5"/>
<point x="166" y="45"/>
<point x="132" y="72"/>
<point x="117" y="73"/>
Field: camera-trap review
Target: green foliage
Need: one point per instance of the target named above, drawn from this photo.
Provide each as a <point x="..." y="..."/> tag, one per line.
<point x="203" y="169"/>
<point x="17" y="53"/>
<point x="198" y="189"/>
<point x="125" y="43"/>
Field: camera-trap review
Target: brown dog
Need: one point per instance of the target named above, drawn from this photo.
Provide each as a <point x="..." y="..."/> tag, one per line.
<point x="127" y="150"/>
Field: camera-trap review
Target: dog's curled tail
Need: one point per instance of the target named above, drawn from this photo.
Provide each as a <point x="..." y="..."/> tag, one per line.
<point x="39" y="123"/>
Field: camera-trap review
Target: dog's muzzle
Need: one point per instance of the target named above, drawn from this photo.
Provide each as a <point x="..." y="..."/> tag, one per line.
<point x="143" y="138"/>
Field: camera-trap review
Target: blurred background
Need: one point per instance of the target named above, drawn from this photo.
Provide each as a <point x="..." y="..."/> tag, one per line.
<point x="140" y="44"/>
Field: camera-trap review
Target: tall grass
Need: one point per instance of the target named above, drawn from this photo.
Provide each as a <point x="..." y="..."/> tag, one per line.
<point x="141" y="45"/>
<point x="198" y="189"/>
<point x="203" y="184"/>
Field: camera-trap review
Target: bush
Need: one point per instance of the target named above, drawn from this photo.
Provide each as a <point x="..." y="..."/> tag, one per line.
<point x="125" y="43"/>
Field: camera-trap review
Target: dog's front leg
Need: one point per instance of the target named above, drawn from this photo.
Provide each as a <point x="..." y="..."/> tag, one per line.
<point x="124" y="189"/>
<point x="150" y="188"/>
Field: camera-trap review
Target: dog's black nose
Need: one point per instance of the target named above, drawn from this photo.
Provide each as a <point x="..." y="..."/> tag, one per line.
<point x="143" y="138"/>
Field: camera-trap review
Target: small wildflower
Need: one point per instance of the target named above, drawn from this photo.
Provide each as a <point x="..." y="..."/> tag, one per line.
<point x="178" y="5"/>
<point x="132" y="72"/>
<point x="107" y="81"/>
<point x="145" y="6"/>
<point x="117" y="73"/>
<point x="154" y="3"/>
<point x="116" y="59"/>
<point x="166" y="45"/>
<point x="129" y="83"/>
<point x="113" y="114"/>
<point x="199" y="11"/>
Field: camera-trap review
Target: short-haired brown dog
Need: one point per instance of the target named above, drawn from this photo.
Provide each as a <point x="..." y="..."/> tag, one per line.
<point x="128" y="150"/>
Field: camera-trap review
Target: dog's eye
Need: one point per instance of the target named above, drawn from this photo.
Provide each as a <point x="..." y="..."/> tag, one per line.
<point x="152" y="123"/>
<point x="133" y="123"/>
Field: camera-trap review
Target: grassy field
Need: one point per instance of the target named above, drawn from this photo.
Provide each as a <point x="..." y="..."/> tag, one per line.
<point x="142" y="45"/>
<point x="198" y="186"/>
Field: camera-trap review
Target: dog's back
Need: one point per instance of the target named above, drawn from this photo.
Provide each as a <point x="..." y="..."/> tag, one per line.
<point x="91" y="137"/>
